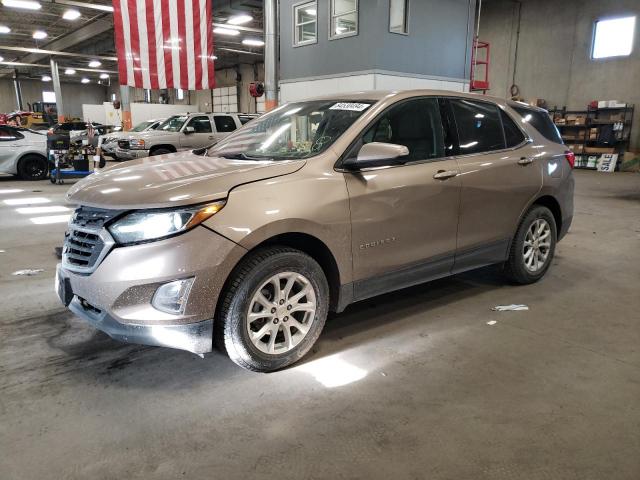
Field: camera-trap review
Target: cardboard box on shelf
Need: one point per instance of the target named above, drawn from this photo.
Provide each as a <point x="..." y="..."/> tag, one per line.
<point x="603" y="103"/>
<point x="616" y="104"/>
<point x="581" y="119"/>
<point x="630" y="162"/>
<point x="599" y="150"/>
<point x="616" y="117"/>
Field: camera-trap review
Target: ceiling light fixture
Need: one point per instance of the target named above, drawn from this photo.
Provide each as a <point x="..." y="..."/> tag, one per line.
<point x="104" y="76"/>
<point x="85" y="80"/>
<point x="26" y="4"/>
<point x="253" y="42"/>
<point x="1" y="59"/>
<point x="69" y="71"/>
<point x="46" y="78"/>
<point x="4" y="29"/>
<point x="239" y="19"/>
<point x="71" y="14"/>
<point x="226" y="31"/>
<point x="39" y="34"/>
<point x="94" y="64"/>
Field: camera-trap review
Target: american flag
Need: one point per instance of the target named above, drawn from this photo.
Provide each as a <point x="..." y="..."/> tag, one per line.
<point x="164" y="43"/>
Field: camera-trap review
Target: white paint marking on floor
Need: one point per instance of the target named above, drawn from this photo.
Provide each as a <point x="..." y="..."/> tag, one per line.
<point x="10" y="190"/>
<point x="34" y="210"/>
<point x="510" y="308"/>
<point x="26" y="201"/>
<point x="491" y="322"/>
<point x="28" y="271"/>
<point x="50" y="219"/>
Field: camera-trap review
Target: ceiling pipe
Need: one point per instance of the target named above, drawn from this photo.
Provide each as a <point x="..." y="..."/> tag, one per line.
<point x="55" y="52"/>
<point x="238" y="51"/>
<point x="90" y="6"/>
<point x="238" y="27"/>
<point x="39" y="65"/>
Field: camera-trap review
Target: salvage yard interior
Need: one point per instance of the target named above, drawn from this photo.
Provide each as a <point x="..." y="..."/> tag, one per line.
<point x="320" y="239"/>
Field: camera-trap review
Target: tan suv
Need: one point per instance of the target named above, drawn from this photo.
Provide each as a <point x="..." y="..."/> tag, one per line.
<point x="307" y="209"/>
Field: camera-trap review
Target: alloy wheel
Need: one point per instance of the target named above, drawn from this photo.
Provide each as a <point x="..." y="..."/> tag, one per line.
<point x="281" y="313"/>
<point x="537" y="245"/>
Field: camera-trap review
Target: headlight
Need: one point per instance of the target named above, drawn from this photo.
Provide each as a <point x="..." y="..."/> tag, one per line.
<point x="147" y="225"/>
<point x="136" y="144"/>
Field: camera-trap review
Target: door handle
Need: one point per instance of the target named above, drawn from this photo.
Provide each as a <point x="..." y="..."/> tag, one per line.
<point x="211" y="137"/>
<point x="444" y="174"/>
<point x="525" y="161"/>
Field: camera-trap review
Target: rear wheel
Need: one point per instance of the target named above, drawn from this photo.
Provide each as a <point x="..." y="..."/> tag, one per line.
<point x="273" y="309"/>
<point x="160" y="151"/>
<point x="32" y="167"/>
<point x="533" y="246"/>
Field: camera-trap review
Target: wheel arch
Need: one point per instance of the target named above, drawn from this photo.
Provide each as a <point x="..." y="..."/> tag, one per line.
<point x="552" y="204"/>
<point x="167" y="146"/>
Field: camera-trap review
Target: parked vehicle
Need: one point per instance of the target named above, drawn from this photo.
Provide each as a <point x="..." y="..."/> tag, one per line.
<point x="23" y="152"/>
<point x="109" y="141"/>
<point x="311" y="207"/>
<point x="180" y="132"/>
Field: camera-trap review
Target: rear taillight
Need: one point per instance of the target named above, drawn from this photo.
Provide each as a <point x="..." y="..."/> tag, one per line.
<point x="571" y="157"/>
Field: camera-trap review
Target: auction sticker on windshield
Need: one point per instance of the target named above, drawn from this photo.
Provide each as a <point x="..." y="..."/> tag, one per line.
<point x="354" y="107"/>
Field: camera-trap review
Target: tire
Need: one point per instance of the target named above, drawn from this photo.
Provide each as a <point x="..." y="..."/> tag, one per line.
<point x="160" y="151"/>
<point x="522" y="269"/>
<point x="252" y="276"/>
<point x="32" y="167"/>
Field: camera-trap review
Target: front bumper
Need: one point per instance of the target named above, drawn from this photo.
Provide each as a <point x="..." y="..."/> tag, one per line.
<point x="116" y="297"/>
<point x="122" y="154"/>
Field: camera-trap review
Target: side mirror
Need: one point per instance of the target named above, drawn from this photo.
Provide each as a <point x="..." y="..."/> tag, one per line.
<point x="189" y="130"/>
<point x="377" y="154"/>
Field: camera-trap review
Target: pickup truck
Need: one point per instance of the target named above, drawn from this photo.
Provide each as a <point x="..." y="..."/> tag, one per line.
<point x="181" y="132"/>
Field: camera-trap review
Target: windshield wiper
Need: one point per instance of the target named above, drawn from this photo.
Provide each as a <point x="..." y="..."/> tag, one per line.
<point x="243" y="156"/>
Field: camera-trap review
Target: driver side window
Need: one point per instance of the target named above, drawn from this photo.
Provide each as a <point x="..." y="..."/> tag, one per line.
<point x="200" y="124"/>
<point x="416" y="124"/>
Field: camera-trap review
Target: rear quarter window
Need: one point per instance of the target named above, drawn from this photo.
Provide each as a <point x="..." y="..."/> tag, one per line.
<point x="541" y="122"/>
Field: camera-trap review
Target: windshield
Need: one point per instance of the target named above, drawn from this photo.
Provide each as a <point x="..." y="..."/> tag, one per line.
<point x="293" y="131"/>
<point x="173" y="124"/>
<point x="141" y="127"/>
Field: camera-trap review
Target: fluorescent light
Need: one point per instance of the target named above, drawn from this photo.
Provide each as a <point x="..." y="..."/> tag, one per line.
<point x="85" y="80"/>
<point x="94" y="64"/>
<point x="26" y="4"/>
<point x="254" y="42"/>
<point x="1" y="59"/>
<point x="69" y="71"/>
<point x="239" y="19"/>
<point x="39" y="34"/>
<point x="46" y="78"/>
<point x="104" y="76"/>
<point x="226" y="31"/>
<point x="32" y="210"/>
<point x="50" y="219"/>
<point x="71" y="14"/>
<point x="4" y="29"/>
<point x="26" y="201"/>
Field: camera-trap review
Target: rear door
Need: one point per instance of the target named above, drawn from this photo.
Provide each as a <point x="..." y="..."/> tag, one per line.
<point x="201" y="136"/>
<point x="9" y="143"/>
<point x="404" y="218"/>
<point x="225" y="124"/>
<point x="499" y="177"/>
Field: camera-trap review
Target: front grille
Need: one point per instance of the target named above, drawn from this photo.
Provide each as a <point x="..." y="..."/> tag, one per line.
<point x="87" y="241"/>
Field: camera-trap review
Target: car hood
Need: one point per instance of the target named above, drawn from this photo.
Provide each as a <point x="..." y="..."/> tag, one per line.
<point x="172" y="180"/>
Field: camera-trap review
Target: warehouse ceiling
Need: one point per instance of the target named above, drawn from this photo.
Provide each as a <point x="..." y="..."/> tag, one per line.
<point x="90" y="37"/>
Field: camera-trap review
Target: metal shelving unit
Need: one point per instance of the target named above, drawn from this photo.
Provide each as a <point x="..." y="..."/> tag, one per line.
<point x="598" y="119"/>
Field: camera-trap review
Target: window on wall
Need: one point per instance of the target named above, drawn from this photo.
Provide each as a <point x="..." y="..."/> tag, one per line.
<point x="180" y="94"/>
<point x="344" y="18"/>
<point x="306" y="23"/>
<point x="49" y="97"/>
<point x="399" y="16"/>
<point x="613" y="37"/>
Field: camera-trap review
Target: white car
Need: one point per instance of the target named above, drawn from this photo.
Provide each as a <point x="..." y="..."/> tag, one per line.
<point x="109" y="142"/>
<point x="23" y="152"/>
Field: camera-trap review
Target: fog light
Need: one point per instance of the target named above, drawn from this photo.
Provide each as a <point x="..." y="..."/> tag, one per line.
<point x="172" y="297"/>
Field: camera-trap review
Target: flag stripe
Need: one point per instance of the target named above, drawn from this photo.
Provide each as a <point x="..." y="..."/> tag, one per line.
<point x="164" y="43"/>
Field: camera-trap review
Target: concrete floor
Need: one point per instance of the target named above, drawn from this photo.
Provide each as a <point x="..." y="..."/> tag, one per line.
<point x="410" y="385"/>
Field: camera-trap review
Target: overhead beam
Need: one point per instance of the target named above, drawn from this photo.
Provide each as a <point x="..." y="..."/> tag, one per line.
<point x="91" y="6"/>
<point x="238" y="27"/>
<point x="46" y="53"/>
<point x="40" y="65"/>
<point x="238" y="51"/>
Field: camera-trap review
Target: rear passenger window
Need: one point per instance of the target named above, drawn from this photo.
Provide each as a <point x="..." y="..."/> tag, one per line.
<point x="512" y="134"/>
<point x="224" y="123"/>
<point x="8" y="134"/>
<point x="541" y="122"/>
<point x="479" y="127"/>
<point x="415" y="124"/>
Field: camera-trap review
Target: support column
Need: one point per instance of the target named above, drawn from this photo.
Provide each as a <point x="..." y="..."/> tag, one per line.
<point x="55" y="78"/>
<point x="270" y="55"/>
<point x="125" y="107"/>
<point x="16" y="85"/>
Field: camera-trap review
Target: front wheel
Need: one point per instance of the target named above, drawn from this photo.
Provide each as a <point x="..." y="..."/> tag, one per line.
<point x="533" y="246"/>
<point x="32" y="167"/>
<point x="273" y="309"/>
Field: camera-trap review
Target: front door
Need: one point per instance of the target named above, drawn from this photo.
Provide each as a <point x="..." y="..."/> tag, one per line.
<point x="404" y="218"/>
<point x="201" y="136"/>
<point x="500" y="175"/>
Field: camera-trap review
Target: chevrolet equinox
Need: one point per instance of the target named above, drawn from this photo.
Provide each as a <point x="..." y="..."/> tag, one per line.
<point x="249" y="243"/>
